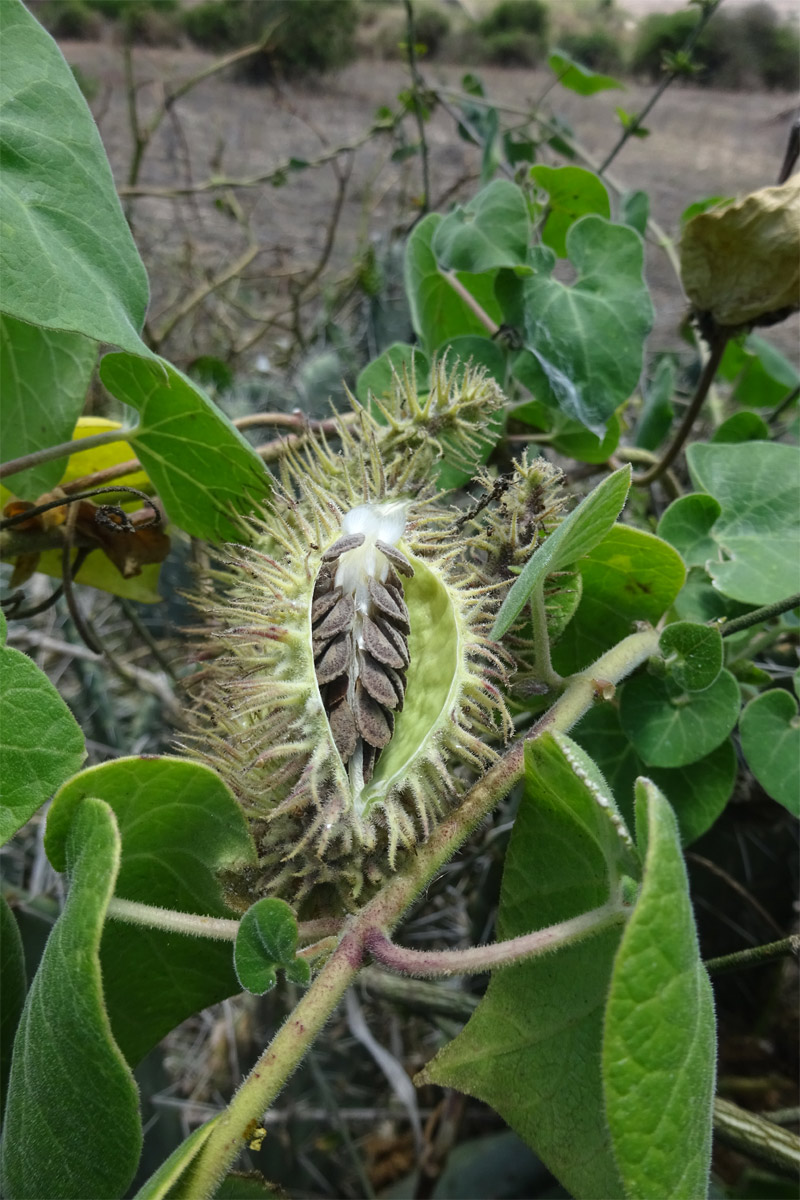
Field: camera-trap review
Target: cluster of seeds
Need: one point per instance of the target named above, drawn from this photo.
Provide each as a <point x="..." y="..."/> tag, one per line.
<point x="360" y="631"/>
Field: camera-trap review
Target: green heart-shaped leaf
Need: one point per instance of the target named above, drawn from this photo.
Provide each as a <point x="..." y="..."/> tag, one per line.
<point x="266" y="943"/>
<point x="671" y="728"/>
<point x="693" y="654"/>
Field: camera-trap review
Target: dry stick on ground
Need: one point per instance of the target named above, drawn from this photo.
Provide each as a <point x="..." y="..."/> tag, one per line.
<point x="223" y="182"/>
<point x="201" y="293"/>
<point x="143" y="134"/>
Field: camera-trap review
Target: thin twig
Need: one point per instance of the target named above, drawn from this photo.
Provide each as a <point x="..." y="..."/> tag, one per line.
<point x="706" y="14"/>
<point x="418" y="85"/>
<point x="202" y="292"/>
<point x="704" y="383"/>
<point x="430" y="964"/>
<point x="737" y="624"/>
<point x="62" y="450"/>
<point x="221" y="182"/>
<point x="754" y="956"/>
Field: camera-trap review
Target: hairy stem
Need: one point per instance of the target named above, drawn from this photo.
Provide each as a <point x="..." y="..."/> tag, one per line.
<point x="758" y="615"/>
<point x="754" y="956"/>
<point x="541" y="641"/>
<point x="432" y="964"/>
<point x="385" y="911"/>
<point x="196" y="925"/>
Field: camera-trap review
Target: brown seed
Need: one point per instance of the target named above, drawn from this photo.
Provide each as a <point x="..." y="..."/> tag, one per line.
<point x="323" y="583"/>
<point x="387" y="604"/>
<point x="350" y="541"/>
<point x="395" y="557"/>
<point x="373" y="676"/>
<point x="337" y="620"/>
<point x="398" y="682"/>
<point x="374" y="724"/>
<point x="324" y="604"/>
<point x="397" y="639"/>
<point x="334" y="659"/>
<point x="380" y="646"/>
<point x="343" y="728"/>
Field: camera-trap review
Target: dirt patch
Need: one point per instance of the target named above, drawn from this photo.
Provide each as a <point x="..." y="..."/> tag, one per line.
<point x="702" y="143"/>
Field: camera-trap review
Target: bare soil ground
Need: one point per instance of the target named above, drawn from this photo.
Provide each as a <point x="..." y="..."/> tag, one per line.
<point x="702" y="143"/>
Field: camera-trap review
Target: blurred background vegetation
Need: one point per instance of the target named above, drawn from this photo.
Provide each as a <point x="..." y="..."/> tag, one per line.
<point x="749" y="46"/>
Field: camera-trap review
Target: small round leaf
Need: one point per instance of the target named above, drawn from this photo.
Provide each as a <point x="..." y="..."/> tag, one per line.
<point x="693" y="653"/>
<point x="267" y="940"/>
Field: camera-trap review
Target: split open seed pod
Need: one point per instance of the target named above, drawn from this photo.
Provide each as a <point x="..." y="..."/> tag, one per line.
<point x="355" y="693"/>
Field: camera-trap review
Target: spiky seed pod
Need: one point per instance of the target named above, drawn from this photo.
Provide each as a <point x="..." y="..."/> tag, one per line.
<point x="357" y="691"/>
<point x="528" y="504"/>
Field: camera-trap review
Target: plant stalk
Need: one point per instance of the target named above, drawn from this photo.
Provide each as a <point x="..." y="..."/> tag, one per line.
<point x="384" y="912"/>
<point x="62" y="450"/>
<point x="438" y="964"/>
<point x="717" y="349"/>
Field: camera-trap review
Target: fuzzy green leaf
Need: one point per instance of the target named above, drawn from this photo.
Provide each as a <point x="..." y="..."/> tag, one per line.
<point x="659" y="1042"/>
<point x="72" y="1126"/>
<point x="13" y="986"/>
<point x="267" y="942"/>
<point x="693" y="653"/>
<point x="757" y="485"/>
<point x="578" y="78"/>
<point x="687" y="525"/>
<point x="205" y="472"/>
<point x="67" y="257"/>
<point x="32" y="765"/>
<point x="770" y="733"/>
<point x="588" y="337"/>
<point x="576" y="536"/>
<point x="532" y="1048"/>
<point x="171" y="1172"/>
<point x="573" y="193"/>
<point x="44" y="376"/>
<point x="698" y="793"/>
<point x="180" y="827"/>
<point x="671" y="728"/>
<point x="629" y="576"/>
<point x="437" y="311"/>
<point x="492" y="231"/>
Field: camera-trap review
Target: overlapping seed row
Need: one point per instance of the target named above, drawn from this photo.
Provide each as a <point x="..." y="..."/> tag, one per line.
<point x="361" y="653"/>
